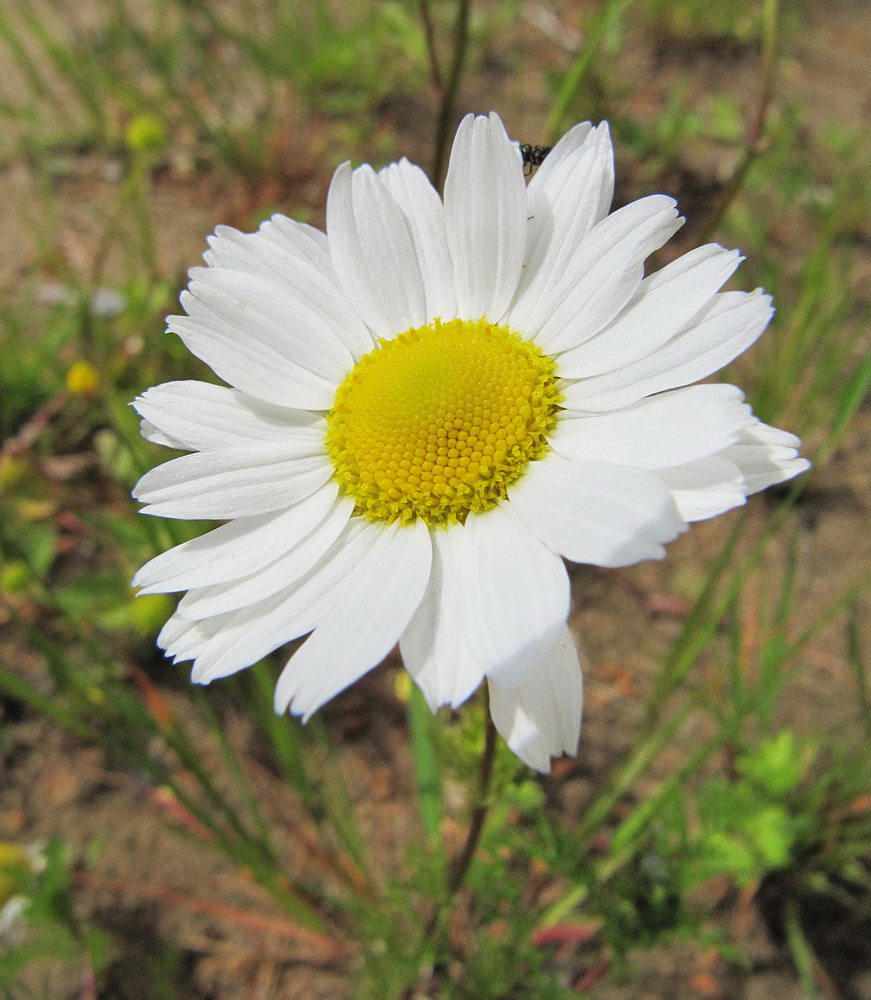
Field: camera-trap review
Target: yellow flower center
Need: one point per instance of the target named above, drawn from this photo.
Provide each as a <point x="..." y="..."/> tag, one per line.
<point x="439" y="421"/>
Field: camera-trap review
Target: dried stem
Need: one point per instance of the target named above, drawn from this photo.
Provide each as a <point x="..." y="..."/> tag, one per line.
<point x="449" y="94"/>
<point x="435" y="72"/>
<point x="460" y="865"/>
<point x="756" y="130"/>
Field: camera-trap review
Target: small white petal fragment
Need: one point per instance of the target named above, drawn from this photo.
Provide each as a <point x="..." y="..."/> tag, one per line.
<point x="513" y="594"/>
<point x="705" y="488"/>
<point x="485" y="213"/>
<point x="672" y="428"/>
<point x="594" y="512"/>
<point x="541" y="718"/>
<point x="376" y="603"/>
<point x="766" y="455"/>
<point x="171" y="638"/>
<point x="761" y="457"/>
<point x="155" y="436"/>
<point x="433" y="647"/>
<point x="239" y="481"/>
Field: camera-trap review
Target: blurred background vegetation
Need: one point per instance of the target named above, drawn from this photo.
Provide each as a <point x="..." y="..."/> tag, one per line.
<point x="713" y="838"/>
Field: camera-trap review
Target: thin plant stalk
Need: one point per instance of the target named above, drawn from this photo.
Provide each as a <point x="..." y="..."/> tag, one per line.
<point x="427" y="772"/>
<point x="801" y="952"/>
<point x="610" y="17"/>
<point x="460" y="865"/>
<point x="628" y="834"/>
<point x="856" y="660"/>
<point x="756" y="131"/>
<point x="449" y="94"/>
<point x="435" y="71"/>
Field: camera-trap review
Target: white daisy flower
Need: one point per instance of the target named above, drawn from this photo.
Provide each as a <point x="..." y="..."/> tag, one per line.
<point x="428" y="409"/>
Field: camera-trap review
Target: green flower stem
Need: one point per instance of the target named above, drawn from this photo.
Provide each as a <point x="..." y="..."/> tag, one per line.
<point x="461" y="863"/>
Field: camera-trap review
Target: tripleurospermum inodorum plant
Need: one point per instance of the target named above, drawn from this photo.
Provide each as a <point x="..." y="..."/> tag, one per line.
<point x="444" y="436"/>
<point x="427" y="408"/>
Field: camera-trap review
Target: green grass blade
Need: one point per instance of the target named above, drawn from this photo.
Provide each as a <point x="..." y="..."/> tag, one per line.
<point x="427" y="772"/>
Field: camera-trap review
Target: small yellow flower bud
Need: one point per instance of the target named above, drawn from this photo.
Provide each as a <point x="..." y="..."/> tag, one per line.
<point x="402" y="686"/>
<point x="145" y="134"/>
<point x="82" y="379"/>
<point x="15" y="865"/>
<point x="14" y="577"/>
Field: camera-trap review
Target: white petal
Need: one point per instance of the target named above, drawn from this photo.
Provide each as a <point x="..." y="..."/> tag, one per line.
<point x="433" y="647"/>
<point x="595" y="512"/>
<point x="425" y="215"/>
<point x="728" y="327"/>
<point x="284" y="253"/>
<point x="346" y="253"/>
<point x="183" y="640"/>
<point x="237" y="549"/>
<point x="286" y="322"/>
<point x="569" y="141"/>
<point x="200" y="416"/>
<point x="257" y="356"/>
<point x="602" y="274"/>
<point x="172" y="634"/>
<point x="155" y="436"/>
<point x="672" y="428"/>
<point x="486" y="217"/>
<point x="541" y="718"/>
<point x="238" y="481"/>
<point x="513" y="594"/>
<point x="705" y="488"/>
<point x="568" y="196"/>
<point x="664" y="304"/>
<point x="766" y="455"/>
<point x="373" y="252"/>
<point x="376" y="602"/>
<point x="311" y="243"/>
<point x="239" y="638"/>
<point x="278" y="574"/>
<point x="557" y="180"/>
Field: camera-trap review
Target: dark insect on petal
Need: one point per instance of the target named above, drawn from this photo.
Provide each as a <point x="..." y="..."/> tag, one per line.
<point x="533" y="156"/>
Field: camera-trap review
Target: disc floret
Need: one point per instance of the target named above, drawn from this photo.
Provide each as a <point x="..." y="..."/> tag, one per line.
<point x="440" y="420"/>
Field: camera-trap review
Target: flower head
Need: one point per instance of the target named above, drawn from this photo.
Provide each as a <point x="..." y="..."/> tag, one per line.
<point x="428" y="409"/>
